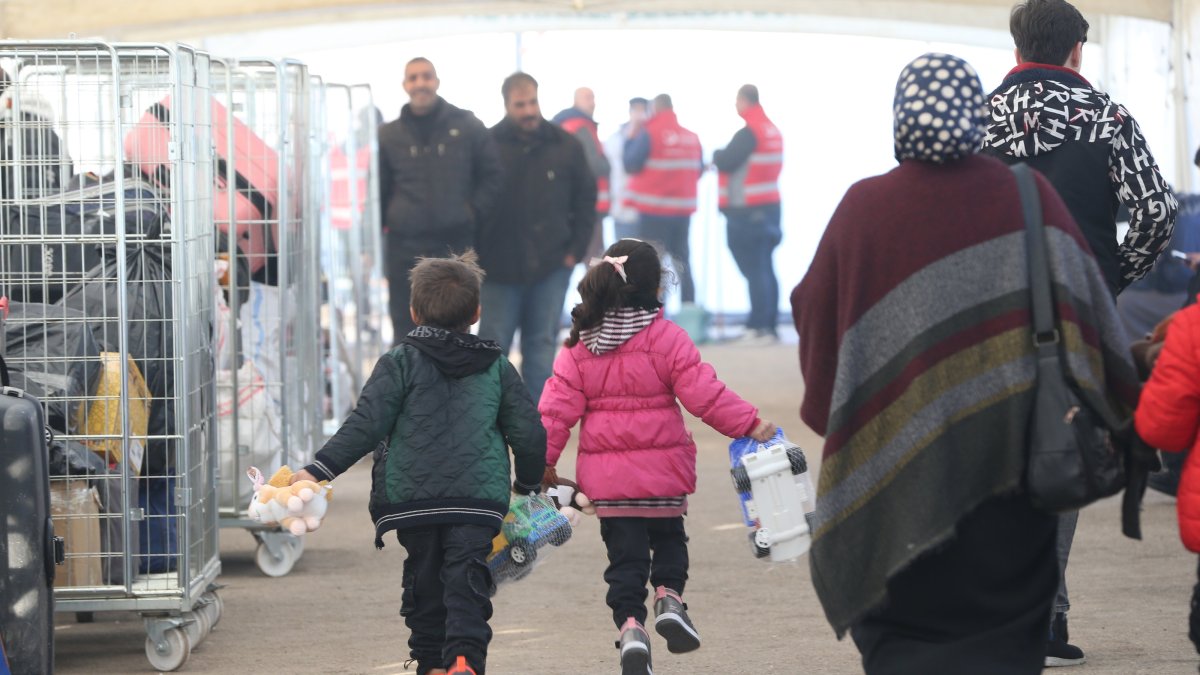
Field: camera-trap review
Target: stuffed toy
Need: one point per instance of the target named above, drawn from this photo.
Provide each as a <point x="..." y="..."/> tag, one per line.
<point x="569" y="500"/>
<point x="298" y="508"/>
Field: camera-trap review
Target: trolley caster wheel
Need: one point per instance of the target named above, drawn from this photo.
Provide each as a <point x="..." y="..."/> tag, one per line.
<point x="85" y="617"/>
<point x="197" y="626"/>
<point x="214" y="606"/>
<point x="275" y="566"/>
<point x="297" y="544"/>
<point x="172" y="653"/>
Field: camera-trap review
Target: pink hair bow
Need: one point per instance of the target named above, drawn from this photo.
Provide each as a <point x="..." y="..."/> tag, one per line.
<point x="618" y="263"/>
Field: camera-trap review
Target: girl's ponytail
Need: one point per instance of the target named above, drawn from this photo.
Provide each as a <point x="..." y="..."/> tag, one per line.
<point x="605" y="288"/>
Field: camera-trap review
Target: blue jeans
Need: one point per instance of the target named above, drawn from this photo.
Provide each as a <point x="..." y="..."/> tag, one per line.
<point x="753" y="233"/>
<point x="535" y="309"/>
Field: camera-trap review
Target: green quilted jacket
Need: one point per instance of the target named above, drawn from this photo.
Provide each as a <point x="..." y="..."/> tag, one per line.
<point x="439" y="412"/>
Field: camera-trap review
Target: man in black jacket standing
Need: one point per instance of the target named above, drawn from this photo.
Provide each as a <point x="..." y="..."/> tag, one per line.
<point x="538" y="231"/>
<point x="438" y="175"/>
<point x="1046" y="114"/>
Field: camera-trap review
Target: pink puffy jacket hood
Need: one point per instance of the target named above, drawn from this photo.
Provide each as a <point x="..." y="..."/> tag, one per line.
<point x="632" y="439"/>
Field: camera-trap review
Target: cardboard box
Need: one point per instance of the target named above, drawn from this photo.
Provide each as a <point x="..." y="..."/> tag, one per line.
<point x="75" y="510"/>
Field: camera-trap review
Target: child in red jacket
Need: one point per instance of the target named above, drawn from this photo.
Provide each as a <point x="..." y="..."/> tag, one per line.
<point x="1168" y="418"/>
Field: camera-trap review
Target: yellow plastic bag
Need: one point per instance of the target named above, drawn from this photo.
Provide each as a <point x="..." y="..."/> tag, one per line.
<point x="103" y="413"/>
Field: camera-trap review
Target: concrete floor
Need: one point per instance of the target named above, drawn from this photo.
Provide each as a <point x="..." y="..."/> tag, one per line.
<point x="337" y="610"/>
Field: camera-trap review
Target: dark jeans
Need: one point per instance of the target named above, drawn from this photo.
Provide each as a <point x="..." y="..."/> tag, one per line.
<point x="753" y="233"/>
<point x="446" y="604"/>
<point x="399" y="294"/>
<point x="641" y="549"/>
<point x="980" y="604"/>
<point x="671" y="232"/>
<point x="536" y="309"/>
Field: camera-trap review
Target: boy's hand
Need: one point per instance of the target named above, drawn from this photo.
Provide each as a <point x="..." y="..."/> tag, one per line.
<point x="763" y="432"/>
<point x="302" y="475"/>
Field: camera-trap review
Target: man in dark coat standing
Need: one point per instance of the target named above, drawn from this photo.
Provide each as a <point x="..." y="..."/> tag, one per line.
<point x="438" y="175"/>
<point x="538" y="231"/>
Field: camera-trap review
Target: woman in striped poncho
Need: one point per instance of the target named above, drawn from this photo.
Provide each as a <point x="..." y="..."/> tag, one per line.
<point x="915" y="345"/>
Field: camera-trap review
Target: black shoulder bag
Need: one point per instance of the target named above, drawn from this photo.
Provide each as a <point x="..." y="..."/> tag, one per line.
<point x="1074" y="458"/>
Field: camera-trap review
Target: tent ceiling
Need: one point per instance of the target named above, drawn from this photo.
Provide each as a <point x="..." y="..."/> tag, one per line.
<point x="155" y="19"/>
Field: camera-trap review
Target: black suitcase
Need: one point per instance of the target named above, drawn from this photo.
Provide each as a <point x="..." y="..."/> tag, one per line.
<point x="26" y="535"/>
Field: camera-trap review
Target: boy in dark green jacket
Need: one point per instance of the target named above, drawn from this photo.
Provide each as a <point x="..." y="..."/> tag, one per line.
<point x="439" y="411"/>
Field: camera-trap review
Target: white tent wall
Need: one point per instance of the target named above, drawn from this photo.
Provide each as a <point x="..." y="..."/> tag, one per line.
<point x="826" y="68"/>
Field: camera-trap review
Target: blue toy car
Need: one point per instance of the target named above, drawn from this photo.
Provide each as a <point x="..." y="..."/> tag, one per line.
<point x="531" y="523"/>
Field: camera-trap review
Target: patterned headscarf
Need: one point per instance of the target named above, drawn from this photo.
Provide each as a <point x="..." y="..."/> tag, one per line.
<point x="939" y="110"/>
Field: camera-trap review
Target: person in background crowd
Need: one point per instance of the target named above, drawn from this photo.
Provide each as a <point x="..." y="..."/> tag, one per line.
<point x="578" y="121"/>
<point x="623" y="215"/>
<point x="664" y="161"/>
<point x="920" y="371"/>
<point x="538" y="231"/>
<point x="749" y="197"/>
<point x="1092" y="151"/>
<point x="438" y="175"/>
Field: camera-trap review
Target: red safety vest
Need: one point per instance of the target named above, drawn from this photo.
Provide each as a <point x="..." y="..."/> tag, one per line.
<point x="603" y="197"/>
<point x="757" y="181"/>
<point x="666" y="186"/>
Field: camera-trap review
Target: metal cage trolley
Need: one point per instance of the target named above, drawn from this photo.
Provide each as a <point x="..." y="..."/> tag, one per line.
<point x="106" y="249"/>
<point x="269" y="382"/>
<point x="350" y="247"/>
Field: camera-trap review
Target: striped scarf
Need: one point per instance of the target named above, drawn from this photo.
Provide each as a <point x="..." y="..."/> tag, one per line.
<point x="617" y="327"/>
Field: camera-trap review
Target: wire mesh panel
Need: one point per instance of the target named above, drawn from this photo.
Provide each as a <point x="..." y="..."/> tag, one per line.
<point x="268" y="357"/>
<point x="373" y="305"/>
<point x="342" y="256"/>
<point x="106" y="246"/>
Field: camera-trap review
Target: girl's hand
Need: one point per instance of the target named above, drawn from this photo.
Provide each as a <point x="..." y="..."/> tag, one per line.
<point x="302" y="475"/>
<point x="764" y="431"/>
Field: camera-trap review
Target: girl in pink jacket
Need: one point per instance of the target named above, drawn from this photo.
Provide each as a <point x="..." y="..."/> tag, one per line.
<point x="622" y="376"/>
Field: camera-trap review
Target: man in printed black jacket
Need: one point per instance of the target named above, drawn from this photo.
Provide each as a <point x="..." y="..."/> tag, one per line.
<point x="1047" y="115"/>
<point x="440" y="411"/>
<point x="438" y="176"/>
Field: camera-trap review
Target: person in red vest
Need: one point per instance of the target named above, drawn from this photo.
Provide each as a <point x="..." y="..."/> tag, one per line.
<point x="749" y="170"/>
<point x="664" y="161"/>
<point x="578" y="121"/>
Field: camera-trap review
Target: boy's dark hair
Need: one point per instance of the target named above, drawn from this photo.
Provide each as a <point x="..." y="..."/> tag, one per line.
<point x="517" y="79"/>
<point x="603" y="289"/>
<point x="1045" y="31"/>
<point x="445" y="291"/>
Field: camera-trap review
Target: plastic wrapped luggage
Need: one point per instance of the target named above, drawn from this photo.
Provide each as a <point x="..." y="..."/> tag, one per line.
<point x="253" y="177"/>
<point x="55" y="239"/>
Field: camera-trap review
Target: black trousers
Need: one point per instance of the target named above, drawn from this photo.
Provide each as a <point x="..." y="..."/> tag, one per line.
<point x="980" y="604"/>
<point x="672" y="233"/>
<point x="445" y="604"/>
<point x="1194" y="615"/>
<point x="640" y="550"/>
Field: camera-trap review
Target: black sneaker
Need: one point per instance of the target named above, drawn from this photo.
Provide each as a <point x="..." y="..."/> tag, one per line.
<point x="672" y="622"/>
<point x="634" y="644"/>
<point x="1059" y="652"/>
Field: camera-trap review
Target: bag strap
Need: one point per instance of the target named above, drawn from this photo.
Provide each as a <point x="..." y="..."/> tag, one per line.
<point x="1045" y="332"/>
